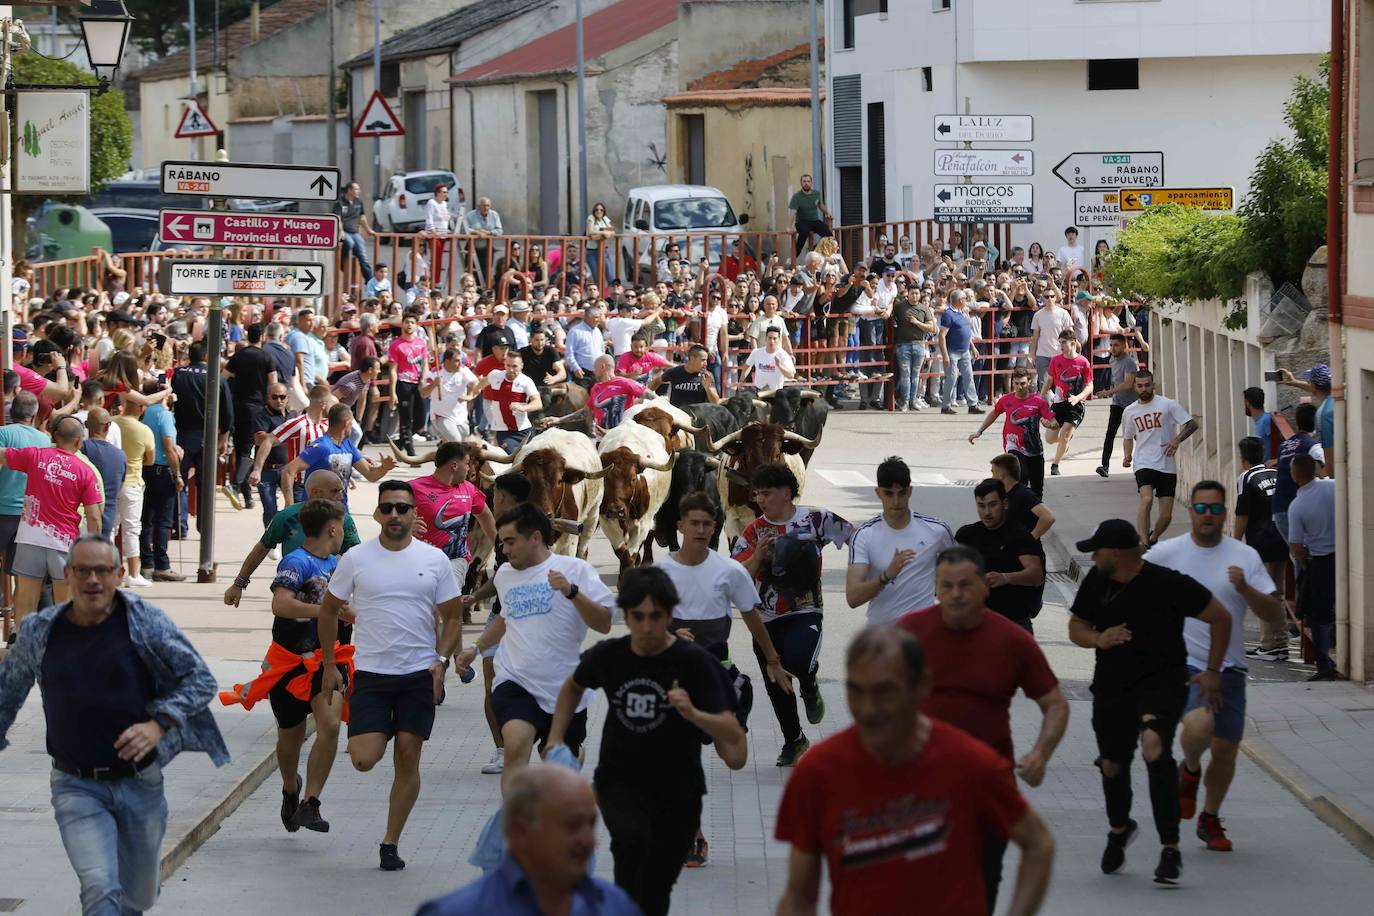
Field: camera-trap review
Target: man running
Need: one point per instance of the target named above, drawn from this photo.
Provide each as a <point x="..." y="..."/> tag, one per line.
<point x="1024" y="413"/>
<point x="1235" y="575"/>
<point x="664" y="692"/>
<point x="447" y="503"/>
<point x="1014" y="569"/>
<point x="1122" y="367"/>
<point x="335" y="451"/>
<point x="548" y="602"/>
<point x="1157" y="425"/>
<point x="781" y="549"/>
<point x="978" y="662"/>
<point x="509" y="397"/>
<point x="901" y="544"/>
<point x="1071" y="377"/>
<point x="393" y="586"/>
<point x="1132" y="612"/>
<point x="296" y="434"/>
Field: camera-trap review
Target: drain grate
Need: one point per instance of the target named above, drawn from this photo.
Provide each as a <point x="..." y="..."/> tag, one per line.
<point x="967" y="483"/>
<point x="10" y="904"/>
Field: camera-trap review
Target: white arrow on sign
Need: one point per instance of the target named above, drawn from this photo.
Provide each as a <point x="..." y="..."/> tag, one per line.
<point x="261" y="181"/>
<point x="985" y="202"/>
<point x="990" y="162"/>
<point x="1085" y="171"/>
<point x="995" y="128"/>
<point x="242" y="278"/>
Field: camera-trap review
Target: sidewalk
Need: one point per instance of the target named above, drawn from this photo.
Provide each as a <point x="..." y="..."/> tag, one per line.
<point x="1314" y="739"/>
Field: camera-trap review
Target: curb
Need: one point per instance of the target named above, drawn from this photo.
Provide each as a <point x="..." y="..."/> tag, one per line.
<point x="1061" y="558"/>
<point x="1347" y="816"/>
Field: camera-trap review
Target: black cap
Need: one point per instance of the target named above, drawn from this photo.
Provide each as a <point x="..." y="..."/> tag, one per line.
<point x="1113" y="534"/>
<point x="121" y="316"/>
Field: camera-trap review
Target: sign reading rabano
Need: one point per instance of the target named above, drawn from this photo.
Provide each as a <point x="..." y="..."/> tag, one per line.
<point x="52" y="135"/>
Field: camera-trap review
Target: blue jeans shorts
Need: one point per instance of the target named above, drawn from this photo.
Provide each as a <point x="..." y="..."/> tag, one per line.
<point x="1230" y="719"/>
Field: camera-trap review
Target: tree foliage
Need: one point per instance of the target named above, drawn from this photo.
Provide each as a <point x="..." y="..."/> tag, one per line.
<point x="161" y="26"/>
<point x="1177" y="253"/>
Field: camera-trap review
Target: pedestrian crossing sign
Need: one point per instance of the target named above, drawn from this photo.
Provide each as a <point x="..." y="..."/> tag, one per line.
<point x="195" y="122"/>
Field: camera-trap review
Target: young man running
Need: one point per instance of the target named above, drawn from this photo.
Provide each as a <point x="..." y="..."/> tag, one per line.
<point x="1132" y="612"/>
<point x="1025" y="412"/>
<point x="394" y="586"/>
<point x="447" y="503"/>
<point x="664" y="692"/>
<point x="548" y="602"/>
<point x="1071" y="377"/>
<point x="1153" y="428"/>
<point x="781" y="549"/>
<point x="1123" y="367"/>
<point x="1235" y="575"/>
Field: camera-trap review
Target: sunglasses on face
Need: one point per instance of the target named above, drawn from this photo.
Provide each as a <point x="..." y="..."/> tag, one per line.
<point x="398" y="508"/>
<point x="277" y="397"/>
<point x="1214" y="508"/>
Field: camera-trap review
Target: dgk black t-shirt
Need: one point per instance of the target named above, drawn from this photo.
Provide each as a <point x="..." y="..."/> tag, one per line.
<point x="1254" y="502"/>
<point x="1002" y="550"/>
<point x="1153" y="606"/>
<point x="645" y="742"/>
<point x="682" y="387"/>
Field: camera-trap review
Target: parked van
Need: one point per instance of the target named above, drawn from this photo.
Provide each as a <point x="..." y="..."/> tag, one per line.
<point x="698" y="217"/>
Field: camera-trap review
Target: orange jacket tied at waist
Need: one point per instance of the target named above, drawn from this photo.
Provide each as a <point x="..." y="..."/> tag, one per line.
<point x="280" y="662"/>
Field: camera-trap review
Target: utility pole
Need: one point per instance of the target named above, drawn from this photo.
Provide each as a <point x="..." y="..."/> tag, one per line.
<point x="330" y="128"/>
<point x="191" y="5"/>
<point x="581" y="120"/>
<point x="817" y="175"/>
<point x="377" y="84"/>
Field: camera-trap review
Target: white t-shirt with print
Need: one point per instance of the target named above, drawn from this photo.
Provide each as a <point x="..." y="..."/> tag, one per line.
<point x="709" y="589"/>
<point x="1152" y="425"/>
<point x="495" y="406"/>
<point x="443" y="400"/>
<point x="876" y="543"/>
<point x="544" y="631"/>
<point x="768" y="368"/>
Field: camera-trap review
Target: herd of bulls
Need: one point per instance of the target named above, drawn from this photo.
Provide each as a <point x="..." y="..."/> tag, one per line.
<point x="629" y="483"/>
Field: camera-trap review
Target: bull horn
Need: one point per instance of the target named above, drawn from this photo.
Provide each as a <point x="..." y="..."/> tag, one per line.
<point x="558" y="390"/>
<point x="769" y="394"/>
<point x="721" y="443"/>
<point x="760" y="403"/>
<point x="595" y="475"/>
<point x="566" y="525"/>
<point x="736" y="477"/>
<point x="712" y="462"/>
<point x="417" y="461"/>
<point x="691" y="430"/>
<point x="503" y="459"/>
<point x="810" y="394"/>
<point x="666" y="466"/>
<point x="804" y="442"/>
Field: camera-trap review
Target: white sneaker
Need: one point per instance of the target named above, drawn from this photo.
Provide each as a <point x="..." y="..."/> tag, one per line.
<point x="921" y="404"/>
<point x="496" y="764"/>
<point x="274" y="553"/>
<point x="136" y="582"/>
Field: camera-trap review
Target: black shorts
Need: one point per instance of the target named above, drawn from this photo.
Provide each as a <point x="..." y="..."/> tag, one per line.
<point x="1117" y="718"/>
<point x="290" y="710"/>
<point x="510" y="703"/>
<point x="1068" y="414"/>
<point x="391" y="703"/>
<point x="1165" y="485"/>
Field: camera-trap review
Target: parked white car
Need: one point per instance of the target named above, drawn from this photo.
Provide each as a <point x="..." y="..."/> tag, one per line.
<point x="697" y="217"/>
<point x="401" y="207"/>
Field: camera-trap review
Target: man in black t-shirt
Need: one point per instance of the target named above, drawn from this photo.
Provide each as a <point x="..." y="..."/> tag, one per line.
<point x="496" y="331"/>
<point x="349" y="210"/>
<point x="1015" y="567"/>
<point x="687" y="384"/>
<point x="1132" y="613"/>
<point x="1254" y="524"/>
<point x="542" y="362"/>
<point x="663" y="693"/>
<point x="249" y="372"/>
<point x="264" y="420"/>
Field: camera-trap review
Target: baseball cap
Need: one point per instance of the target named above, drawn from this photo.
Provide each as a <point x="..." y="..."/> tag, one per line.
<point x="501" y="309"/>
<point x="20" y="337"/>
<point x="349" y="307"/>
<point x="1081" y="295"/>
<point x="1113" y="534"/>
<point x="626" y="305"/>
<point x="1320" y="376"/>
<point x="889" y="270"/>
<point x="120" y="316"/>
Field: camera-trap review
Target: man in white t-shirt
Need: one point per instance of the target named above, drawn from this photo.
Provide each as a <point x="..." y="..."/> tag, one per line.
<point x="547" y="604"/>
<point x="623" y="326"/>
<point x="450" y="390"/>
<point x="1046" y="325"/>
<point x="391" y="590"/>
<point x="510" y="397"/>
<point x="1236" y="576"/>
<point x="1071" y="253"/>
<point x="892" y="556"/>
<point x="1152" y="429"/>
<point x="771" y="365"/>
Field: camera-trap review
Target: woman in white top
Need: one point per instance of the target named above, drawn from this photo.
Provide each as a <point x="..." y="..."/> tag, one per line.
<point x="438" y="225"/>
<point x="599" y="230"/>
<point x="1035" y="258"/>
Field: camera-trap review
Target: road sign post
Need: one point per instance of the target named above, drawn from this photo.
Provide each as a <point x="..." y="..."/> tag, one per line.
<point x="258" y="181"/>
<point x="1134" y="200"/>
<point x="985" y="162"/>
<point x="1098" y="171"/>
<point x="250" y="230"/>
<point x="985" y="202"/>
<point x="984" y="128"/>
<point x="270" y="279"/>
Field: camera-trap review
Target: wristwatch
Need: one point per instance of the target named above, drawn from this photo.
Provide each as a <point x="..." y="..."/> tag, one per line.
<point x="573" y="592"/>
<point x="445" y="659"/>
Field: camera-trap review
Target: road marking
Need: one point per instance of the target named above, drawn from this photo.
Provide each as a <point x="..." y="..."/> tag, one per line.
<point x="853" y="479"/>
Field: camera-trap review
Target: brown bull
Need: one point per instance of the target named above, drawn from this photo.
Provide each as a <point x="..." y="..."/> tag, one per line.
<point x="662" y="422"/>
<point x="551" y="486"/>
<point x="749" y="449"/>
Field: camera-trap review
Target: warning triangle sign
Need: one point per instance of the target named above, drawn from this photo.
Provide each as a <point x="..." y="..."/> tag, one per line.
<point x="195" y="122"/>
<point x="378" y="120"/>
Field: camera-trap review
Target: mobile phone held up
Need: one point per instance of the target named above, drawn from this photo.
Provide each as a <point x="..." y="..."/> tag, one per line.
<point x="1275" y="376"/>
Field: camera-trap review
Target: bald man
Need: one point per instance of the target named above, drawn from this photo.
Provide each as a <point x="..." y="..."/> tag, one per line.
<point x="286" y="532"/>
<point x="612" y="395"/>
<point x="549" y="818"/>
<point x="109" y="459"/>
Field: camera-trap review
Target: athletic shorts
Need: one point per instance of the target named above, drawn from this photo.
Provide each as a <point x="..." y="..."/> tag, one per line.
<point x="9" y="528"/>
<point x="1230" y="719"/>
<point x="511" y="702"/>
<point x="460" y="568"/>
<point x="33" y="562"/>
<point x="1068" y="414"/>
<point x="1117" y="719"/>
<point x="291" y="710"/>
<point x="1165" y="485"/>
<point x="391" y="703"/>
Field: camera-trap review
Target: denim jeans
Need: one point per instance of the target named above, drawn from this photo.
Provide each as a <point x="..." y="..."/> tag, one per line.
<point x="1323" y="635"/>
<point x="113" y="832"/>
<point x="871" y="335"/>
<point x="352" y="243"/>
<point x="959" y="368"/>
<point x="510" y="441"/>
<point x="268" y="488"/>
<point x="160" y="506"/>
<point x="911" y="355"/>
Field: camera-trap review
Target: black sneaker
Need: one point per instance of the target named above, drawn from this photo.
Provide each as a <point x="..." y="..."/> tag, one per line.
<point x="976" y="409"/>
<point x="290" y="802"/>
<point x="308" y="816"/>
<point x="815" y="706"/>
<point x="1102" y="471"/>
<point x="1279" y="654"/>
<point x="1114" y="856"/>
<point x="1054" y="470"/>
<point x="1170" y="866"/>
<point x="390" y="860"/>
<point x="1323" y="676"/>
<point x="792" y="751"/>
<point x="947" y="410"/>
<point x="863" y="405"/>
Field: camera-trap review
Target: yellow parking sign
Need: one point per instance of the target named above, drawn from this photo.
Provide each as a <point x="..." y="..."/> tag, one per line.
<point x="1137" y="199"/>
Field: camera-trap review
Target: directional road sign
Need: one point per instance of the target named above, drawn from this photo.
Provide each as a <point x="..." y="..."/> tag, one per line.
<point x="1017" y="162"/>
<point x="974" y="128"/>
<point x="378" y="120"/>
<point x="260" y="230"/>
<point x="242" y="278"/>
<point x="272" y="182"/>
<point x="1096" y="208"/>
<point x="1136" y="199"/>
<point x="984" y="203"/>
<point x="1111" y="170"/>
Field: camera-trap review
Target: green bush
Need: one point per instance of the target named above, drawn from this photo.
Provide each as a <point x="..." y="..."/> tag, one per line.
<point x="1178" y="253"/>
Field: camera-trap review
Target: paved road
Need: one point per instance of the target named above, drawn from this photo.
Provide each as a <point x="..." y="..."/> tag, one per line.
<point x="1286" y="860"/>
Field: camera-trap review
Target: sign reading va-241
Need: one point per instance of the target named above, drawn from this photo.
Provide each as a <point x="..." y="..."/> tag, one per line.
<point x="1097" y="171"/>
<point x="258" y="230"/>
<point x="264" y="182"/>
<point x="241" y="278"/>
<point x="984" y="203"/>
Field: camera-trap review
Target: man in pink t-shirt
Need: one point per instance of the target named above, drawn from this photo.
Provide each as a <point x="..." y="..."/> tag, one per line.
<point x="611" y="395"/>
<point x="639" y="361"/>
<point x="447" y="503"/>
<point x="1071" y="376"/>
<point x="407" y="356"/>
<point x="1023" y="412"/>
<point x="60" y="485"/>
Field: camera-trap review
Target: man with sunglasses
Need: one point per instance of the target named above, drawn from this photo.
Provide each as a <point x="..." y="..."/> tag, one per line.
<point x="1236" y="576"/>
<point x="394" y="587"/>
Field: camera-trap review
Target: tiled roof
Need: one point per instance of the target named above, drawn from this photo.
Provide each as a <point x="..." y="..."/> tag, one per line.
<point x="755" y="73"/>
<point x="234" y="37"/>
<point x="446" y="32"/>
<point x="746" y="98"/>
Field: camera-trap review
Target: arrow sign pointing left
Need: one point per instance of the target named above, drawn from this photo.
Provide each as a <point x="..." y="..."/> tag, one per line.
<point x="944" y="196"/>
<point x="318" y="231"/>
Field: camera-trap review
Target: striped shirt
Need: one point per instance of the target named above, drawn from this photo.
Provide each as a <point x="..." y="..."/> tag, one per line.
<point x="298" y="433"/>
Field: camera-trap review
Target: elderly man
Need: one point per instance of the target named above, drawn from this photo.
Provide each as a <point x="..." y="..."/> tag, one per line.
<point x="123" y="692"/>
<point x="549" y="818"/>
<point x="585" y="343"/>
<point x="483" y="222"/>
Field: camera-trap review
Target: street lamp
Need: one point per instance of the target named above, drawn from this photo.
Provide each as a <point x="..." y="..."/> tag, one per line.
<point x="104" y="30"/>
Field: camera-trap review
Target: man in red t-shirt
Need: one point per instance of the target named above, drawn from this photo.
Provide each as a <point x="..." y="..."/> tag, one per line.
<point x="979" y="659"/>
<point x="448" y="503"/>
<point x="898" y="803"/>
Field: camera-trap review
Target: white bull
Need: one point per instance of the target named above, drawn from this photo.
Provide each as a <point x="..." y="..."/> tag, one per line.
<point x="564" y="471"/>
